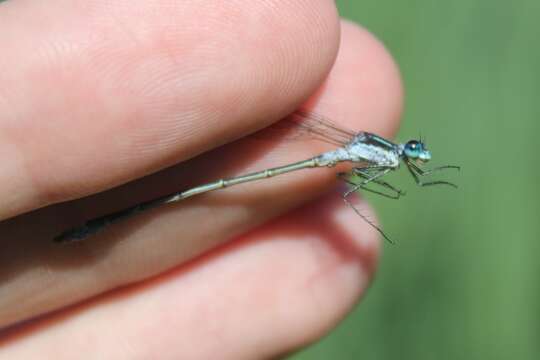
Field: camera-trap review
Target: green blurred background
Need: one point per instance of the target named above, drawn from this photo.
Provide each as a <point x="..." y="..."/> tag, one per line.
<point x="462" y="282"/>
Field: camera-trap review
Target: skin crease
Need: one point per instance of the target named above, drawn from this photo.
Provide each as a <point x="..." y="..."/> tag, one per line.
<point x="317" y="259"/>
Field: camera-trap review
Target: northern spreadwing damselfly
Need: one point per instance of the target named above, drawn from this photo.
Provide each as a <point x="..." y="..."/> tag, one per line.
<point x="371" y="156"/>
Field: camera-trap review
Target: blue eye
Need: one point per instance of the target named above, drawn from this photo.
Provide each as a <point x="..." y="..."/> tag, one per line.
<point x="416" y="150"/>
<point x="413" y="149"/>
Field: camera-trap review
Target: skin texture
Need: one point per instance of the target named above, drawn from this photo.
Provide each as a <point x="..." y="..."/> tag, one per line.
<point x="161" y="94"/>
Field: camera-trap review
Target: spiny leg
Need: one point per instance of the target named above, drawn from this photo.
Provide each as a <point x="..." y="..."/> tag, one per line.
<point x="343" y="176"/>
<point x="438" y="168"/>
<point x="369" y="179"/>
<point x="365" y="218"/>
<point x="361" y="172"/>
<point x="355" y="188"/>
<point x="416" y="172"/>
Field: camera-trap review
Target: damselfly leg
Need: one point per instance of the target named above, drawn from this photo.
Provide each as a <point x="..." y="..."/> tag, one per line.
<point x="365" y="174"/>
<point x="366" y="219"/>
<point x="416" y="172"/>
<point x="397" y="193"/>
<point x="377" y="172"/>
<point x="369" y="174"/>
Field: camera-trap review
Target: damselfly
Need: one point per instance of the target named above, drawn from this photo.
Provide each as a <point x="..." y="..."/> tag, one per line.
<point x="371" y="155"/>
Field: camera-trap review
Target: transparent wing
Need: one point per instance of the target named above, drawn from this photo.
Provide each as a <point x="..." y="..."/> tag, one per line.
<point x="306" y="125"/>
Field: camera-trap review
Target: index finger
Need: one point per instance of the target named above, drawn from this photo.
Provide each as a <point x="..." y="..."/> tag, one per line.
<point x="102" y="93"/>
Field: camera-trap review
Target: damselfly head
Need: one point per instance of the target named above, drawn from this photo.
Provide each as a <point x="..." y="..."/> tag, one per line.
<point x="416" y="150"/>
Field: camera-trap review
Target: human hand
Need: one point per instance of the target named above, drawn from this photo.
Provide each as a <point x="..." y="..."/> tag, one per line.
<point x="95" y="94"/>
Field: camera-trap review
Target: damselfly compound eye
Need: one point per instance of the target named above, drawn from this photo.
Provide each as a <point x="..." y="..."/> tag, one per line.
<point x="413" y="149"/>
